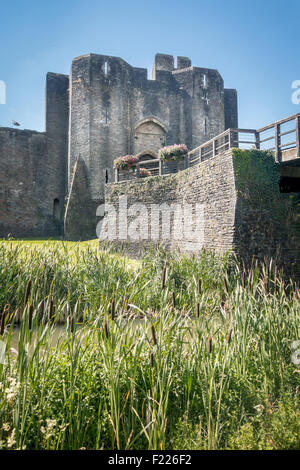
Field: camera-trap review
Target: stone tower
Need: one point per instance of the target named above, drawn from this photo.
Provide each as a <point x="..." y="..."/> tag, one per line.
<point x="115" y="110"/>
<point x="53" y="181"/>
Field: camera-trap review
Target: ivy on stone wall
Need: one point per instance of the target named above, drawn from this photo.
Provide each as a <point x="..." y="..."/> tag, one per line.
<point x="257" y="181"/>
<point x="257" y="176"/>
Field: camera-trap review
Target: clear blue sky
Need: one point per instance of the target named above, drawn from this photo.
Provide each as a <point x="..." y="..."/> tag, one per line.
<point x="254" y="45"/>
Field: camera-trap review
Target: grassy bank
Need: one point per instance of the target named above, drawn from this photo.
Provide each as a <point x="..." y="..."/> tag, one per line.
<point x="170" y="352"/>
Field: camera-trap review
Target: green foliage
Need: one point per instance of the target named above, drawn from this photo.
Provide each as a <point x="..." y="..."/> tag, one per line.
<point x="295" y="221"/>
<point x="257" y="177"/>
<point x="257" y="181"/>
<point x="173" y="352"/>
<point x="274" y="427"/>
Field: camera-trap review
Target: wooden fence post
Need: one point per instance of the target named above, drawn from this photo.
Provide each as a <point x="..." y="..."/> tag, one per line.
<point x="298" y="135"/>
<point x="257" y="140"/>
<point x="214" y="147"/>
<point x="277" y="143"/>
<point x="160" y="167"/>
<point x="229" y="139"/>
<point x="185" y="162"/>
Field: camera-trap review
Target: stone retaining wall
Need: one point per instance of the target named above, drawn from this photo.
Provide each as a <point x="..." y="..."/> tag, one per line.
<point x="242" y="209"/>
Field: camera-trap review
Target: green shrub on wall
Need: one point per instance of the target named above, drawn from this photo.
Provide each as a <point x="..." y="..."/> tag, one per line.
<point x="257" y="175"/>
<point x="257" y="182"/>
<point x="295" y="202"/>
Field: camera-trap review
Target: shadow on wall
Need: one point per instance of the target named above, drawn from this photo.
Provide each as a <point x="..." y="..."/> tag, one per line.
<point x="266" y="224"/>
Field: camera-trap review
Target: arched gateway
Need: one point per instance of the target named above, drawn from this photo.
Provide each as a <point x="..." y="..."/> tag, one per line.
<point x="150" y="136"/>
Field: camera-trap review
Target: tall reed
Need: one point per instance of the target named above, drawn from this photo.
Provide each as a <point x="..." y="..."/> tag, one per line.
<point x="170" y="352"/>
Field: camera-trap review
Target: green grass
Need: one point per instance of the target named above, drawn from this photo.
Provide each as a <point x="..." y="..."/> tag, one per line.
<point x="169" y="352"/>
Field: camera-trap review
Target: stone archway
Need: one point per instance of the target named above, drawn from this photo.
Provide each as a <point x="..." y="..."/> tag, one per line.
<point x="147" y="156"/>
<point x="150" y="134"/>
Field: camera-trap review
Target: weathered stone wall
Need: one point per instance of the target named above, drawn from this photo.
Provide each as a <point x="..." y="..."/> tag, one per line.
<point x="149" y="137"/>
<point x="33" y="170"/>
<point x="26" y="204"/>
<point x="109" y="99"/>
<point x="230" y="108"/>
<point x="267" y="222"/>
<point x="80" y="216"/>
<point x="106" y="108"/>
<point x="210" y="184"/>
<point x="204" y="104"/>
<point x="57" y="117"/>
<point x="79" y="115"/>
<point x="244" y="210"/>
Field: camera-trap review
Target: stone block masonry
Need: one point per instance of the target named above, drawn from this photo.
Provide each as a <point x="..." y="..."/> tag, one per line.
<point x="104" y="109"/>
<point x="115" y="110"/>
<point x="57" y="127"/>
<point x="244" y="210"/>
<point x="81" y="209"/>
<point x="26" y="201"/>
<point x="33" y="170"/>
<point x="267" y="222"/>
<point x="210" y="184"/>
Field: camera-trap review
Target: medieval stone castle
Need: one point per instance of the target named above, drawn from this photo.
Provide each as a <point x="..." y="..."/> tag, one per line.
<point x="52" y="183"/>
<point x="53" y="180"/>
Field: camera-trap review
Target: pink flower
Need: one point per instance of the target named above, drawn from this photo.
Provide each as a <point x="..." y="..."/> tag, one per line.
<point x="125" y="162"/>
<point x="172" y="152"/>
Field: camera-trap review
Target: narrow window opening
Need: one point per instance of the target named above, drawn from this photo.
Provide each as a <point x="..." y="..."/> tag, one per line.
<point x="106" y="176"/>
<point x="105" y="67"/>
<point x="205" y="125"/>
<point x="205" y="80"/>
<point x="56" y="210"/>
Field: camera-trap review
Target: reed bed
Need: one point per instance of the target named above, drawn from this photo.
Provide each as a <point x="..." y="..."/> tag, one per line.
<point x="171" y="352"/>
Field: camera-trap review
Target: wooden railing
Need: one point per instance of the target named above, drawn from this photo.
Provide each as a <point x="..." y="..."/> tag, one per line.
<point x="282" y="137"/>
<point x="242" y="138"/>
<point x="156" y="167"/>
